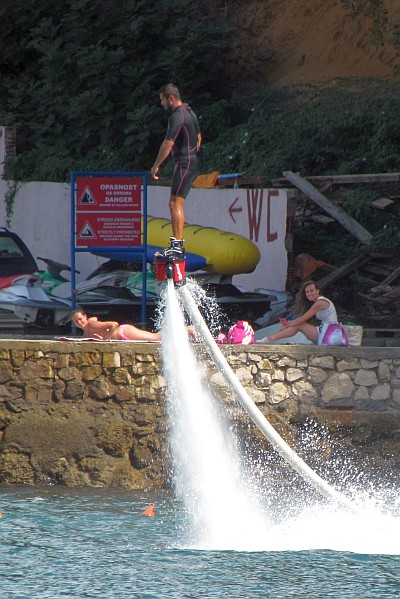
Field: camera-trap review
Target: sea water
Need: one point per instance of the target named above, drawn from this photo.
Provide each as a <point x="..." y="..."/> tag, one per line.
<point x="215" y="534"/>
<point x="75" y="544"/>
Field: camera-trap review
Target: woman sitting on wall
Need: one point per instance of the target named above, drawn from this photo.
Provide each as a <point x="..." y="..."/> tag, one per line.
<point x="309" y="303"/>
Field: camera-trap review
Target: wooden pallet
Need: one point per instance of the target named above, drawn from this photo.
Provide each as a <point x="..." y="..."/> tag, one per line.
<point x="379" y="337"/>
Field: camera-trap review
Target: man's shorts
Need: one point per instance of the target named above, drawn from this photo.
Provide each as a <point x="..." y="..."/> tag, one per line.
<point x="183" y="176"/>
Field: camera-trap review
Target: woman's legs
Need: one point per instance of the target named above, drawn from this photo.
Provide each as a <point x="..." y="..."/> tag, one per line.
<point x="129" y="332"/>
<point x="132" y="333"/>
<point x="309" y="330"/>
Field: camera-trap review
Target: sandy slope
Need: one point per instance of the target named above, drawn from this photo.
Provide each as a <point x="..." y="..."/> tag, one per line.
<point x="303" y="41"/>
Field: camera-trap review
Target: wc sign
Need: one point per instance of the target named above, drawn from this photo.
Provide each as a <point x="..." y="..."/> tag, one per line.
<point x="108" y="210"/>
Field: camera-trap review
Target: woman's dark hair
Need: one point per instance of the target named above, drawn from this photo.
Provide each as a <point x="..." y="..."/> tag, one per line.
<point x="302" y="304"/>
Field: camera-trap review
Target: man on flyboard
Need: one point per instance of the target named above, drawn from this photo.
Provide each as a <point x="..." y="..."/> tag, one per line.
<point x="183" y="140"/>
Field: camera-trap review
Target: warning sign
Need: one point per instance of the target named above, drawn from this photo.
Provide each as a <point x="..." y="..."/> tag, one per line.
<point x="108" y="230"/>
<point x="108" y="210"/>
<point x="87" y="198"/>
<point x="109" y="193"/>
<point x="87" y="232"/>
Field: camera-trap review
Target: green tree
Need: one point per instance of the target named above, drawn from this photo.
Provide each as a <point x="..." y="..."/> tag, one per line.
<point x="79" y="78"/>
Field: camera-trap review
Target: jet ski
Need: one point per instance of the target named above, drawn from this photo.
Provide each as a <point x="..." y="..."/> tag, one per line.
<point x="27" y="300"/>
<point x="21" y="290"/>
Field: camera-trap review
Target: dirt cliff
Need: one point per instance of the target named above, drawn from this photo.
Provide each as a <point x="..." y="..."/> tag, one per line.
<point x="293" y="42"/>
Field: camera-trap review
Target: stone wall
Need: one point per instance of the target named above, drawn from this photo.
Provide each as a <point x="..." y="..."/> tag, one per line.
<point x="93" y="414"/>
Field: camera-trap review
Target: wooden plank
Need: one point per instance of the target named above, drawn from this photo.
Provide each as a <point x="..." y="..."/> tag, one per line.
<point x="342" y="271"/>
<point x="391" y="277"/>
<point x="347" y="179"/>
<point x="385" y="298"/>
<point x="241" y="181"/>
<point x="349" y="223"/>
<point x="375" y="331"/>
<point x="322" y="219"/>
<point x="382" y="203"/>
<point x="377" y="269"/>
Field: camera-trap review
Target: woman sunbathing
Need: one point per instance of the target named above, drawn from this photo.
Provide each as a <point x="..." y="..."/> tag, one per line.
<point x="110" y="330"/>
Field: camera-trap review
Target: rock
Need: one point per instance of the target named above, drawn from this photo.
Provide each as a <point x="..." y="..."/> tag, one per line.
<point x="338" y="386"/>
<point x="366" y="378"/>
<point x="278" y="392"/>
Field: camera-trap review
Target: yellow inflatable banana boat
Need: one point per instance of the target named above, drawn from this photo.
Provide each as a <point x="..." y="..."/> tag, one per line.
<point x="224" y="253"/>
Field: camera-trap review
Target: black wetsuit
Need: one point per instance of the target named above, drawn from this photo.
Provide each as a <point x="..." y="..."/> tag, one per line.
<point x="183" y="129"/>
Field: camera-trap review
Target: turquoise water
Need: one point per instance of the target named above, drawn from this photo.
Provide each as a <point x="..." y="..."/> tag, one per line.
<point x="58" y="543"/>
<point x="226" y="530"/>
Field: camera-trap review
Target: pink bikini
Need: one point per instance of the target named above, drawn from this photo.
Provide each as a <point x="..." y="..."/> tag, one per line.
<point x="122" y="331"/>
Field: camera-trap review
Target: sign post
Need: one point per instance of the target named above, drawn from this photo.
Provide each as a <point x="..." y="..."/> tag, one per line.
<point x="109" y="213"/>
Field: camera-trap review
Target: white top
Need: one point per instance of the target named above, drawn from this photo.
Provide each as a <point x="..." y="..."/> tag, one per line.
<point x="329" y="314"/>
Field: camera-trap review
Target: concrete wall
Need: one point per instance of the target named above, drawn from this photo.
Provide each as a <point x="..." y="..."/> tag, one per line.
<point x="42" y="216"/>
<point x="93" y="414"/>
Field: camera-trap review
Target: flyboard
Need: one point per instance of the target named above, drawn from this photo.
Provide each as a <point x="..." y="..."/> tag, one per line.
<point x="173" y="271"/>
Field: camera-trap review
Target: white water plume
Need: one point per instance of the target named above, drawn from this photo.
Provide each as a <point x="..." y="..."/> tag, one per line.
<point x="207" y="476"/>
<point x="223" y="508"/>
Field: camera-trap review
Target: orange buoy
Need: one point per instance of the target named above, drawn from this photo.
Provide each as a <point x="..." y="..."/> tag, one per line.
<point x="149" y="511"/>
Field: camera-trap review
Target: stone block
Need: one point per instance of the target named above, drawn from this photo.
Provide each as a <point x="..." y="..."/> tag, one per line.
<point x="327" y="362"/>
<point x="396" y="395"/>
<point x="366" y="378"/>
<point x="111" y="360"/>
<point x="348" y="364"/>
<point x="383" y="372"/>
<point x="278" y="392"/>
<point x="69" y="374"/>
<point x="278" y="375"/>
<point x="256" y="395"/>
<point x="74" y="390"/>
<point x="218" y="379"/>
<point x="338" y="386"/>
<point x="61" y="361"/>
<point x="143" y="368"/>
<point x="285" y="362"/>
<point x="264" y="379"/>
<point x="265" y="364"/>
<point x="121" y="377"/>
<point x="236" y="359"/>
<point x="40" y="391"/>
<point x="101" y="389"/>
<point x="367" y="364"/>
<point x="381" y="392"/>
<point x="33" y="369"/>
<point x="17" y="357"/>
<point x="126" y="393"/>
<point x="316" y="375"/>
<point x="361" y="393"/>
<point x="304" y="390"/>
<point x="6" y="372"/>
<point x="244" y="376"/>
<point x="91" y="373"/>
<point x="255" y="357"/>
<point x="147" y="357"/>
<point x="293" y="374"/>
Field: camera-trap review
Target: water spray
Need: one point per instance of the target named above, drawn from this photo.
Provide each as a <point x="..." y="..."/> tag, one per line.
<point x="255" y="414"/>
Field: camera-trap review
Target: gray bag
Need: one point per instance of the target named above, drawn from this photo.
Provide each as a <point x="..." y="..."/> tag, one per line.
<point x="354" y="334"/>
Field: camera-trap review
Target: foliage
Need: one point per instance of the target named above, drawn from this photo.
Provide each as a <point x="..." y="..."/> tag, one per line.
<point x="374" y="9"/>
<point x="332" y="131"/>
<point x="9" y="197"/>
<point x="79" y="78"/>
